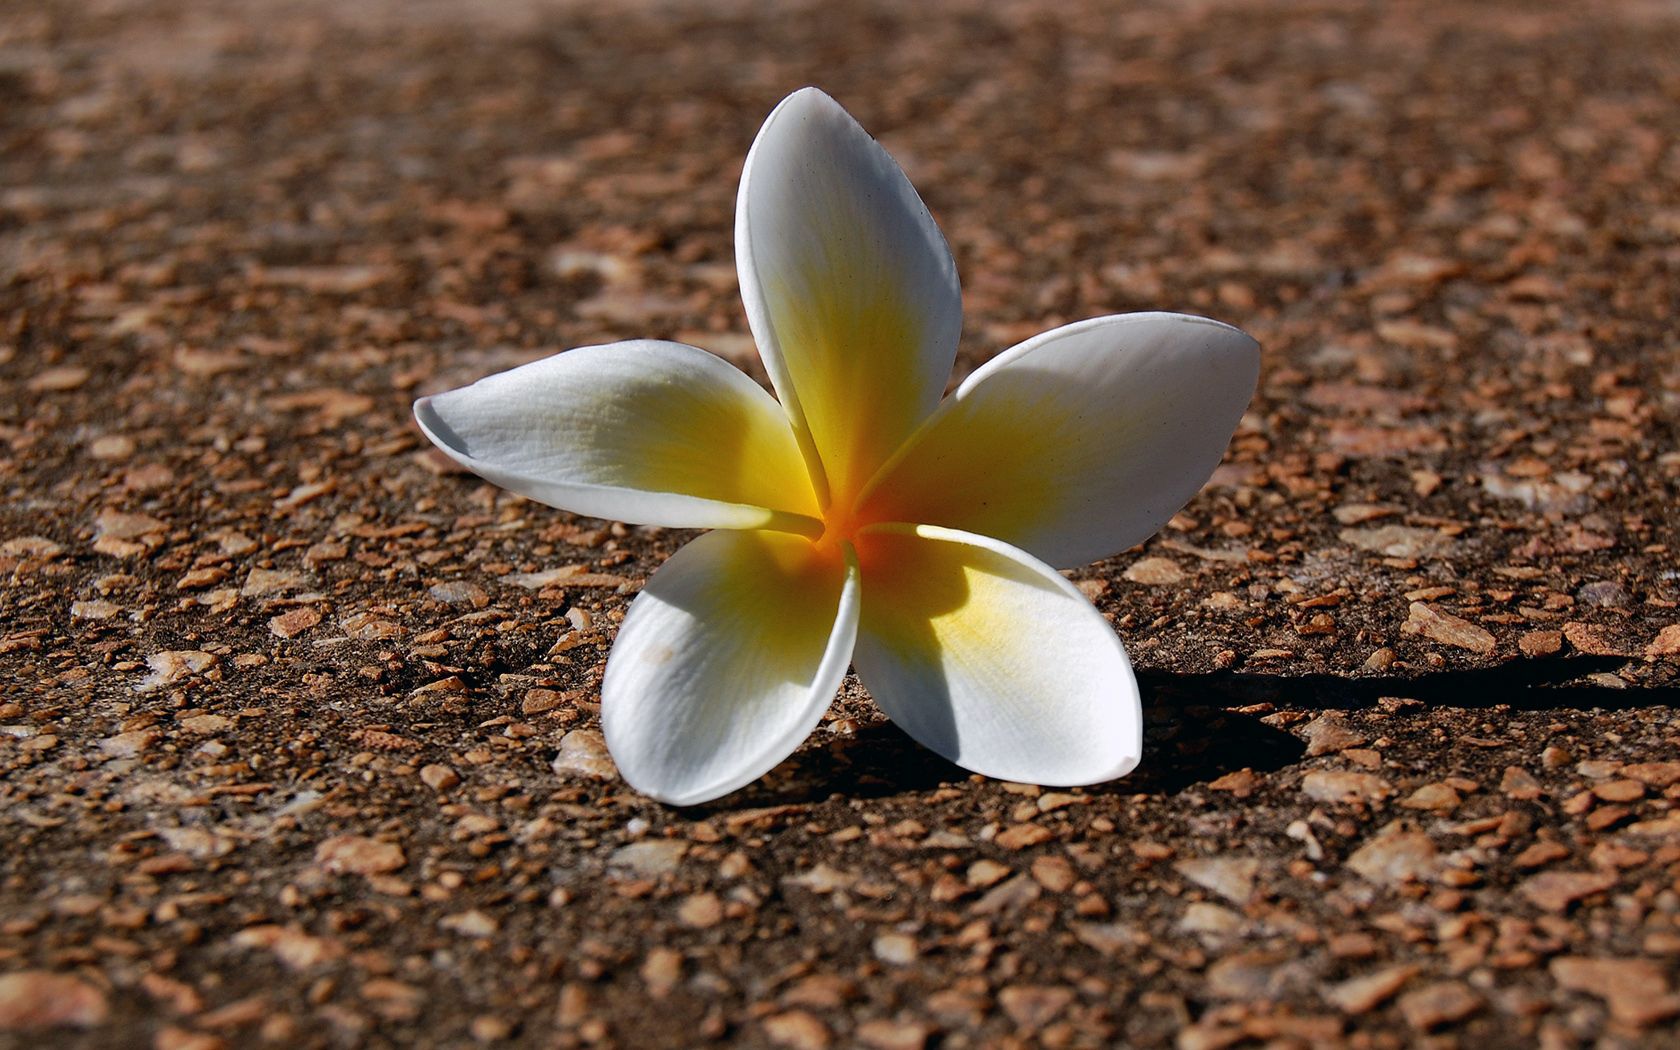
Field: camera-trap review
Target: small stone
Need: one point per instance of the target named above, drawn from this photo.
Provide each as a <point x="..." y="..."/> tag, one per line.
<point x="650" y="857"/>
<point x="898" y="949"/>
<point x="583" y="753"/>
<point x="1020" y="836"/>
<point x="1344" y="787"/>
<point x="1204" y="917"/>
<point x="130" y="744"/>
<point x="1396" y="541"/>
<point x="1654" y="774"/>
<point x="1540" y="643"/>
<point x="32" y="999"/>
<point x="1435" y="1005"/>
<point x="32" y="547"/>
<point x="1519" y="784"/>
<point x="661" y="971"/>
<point x="1557" y="890"/>
<point x="488" y="1028"/>
<point x="1252" y="976"/>
<point x="172" y="666"/>
<point x="170" y="1037"/>
<point x="1603" y="593"/>
<point x="797" y="1030"/>
<point x="94" y="610"/>
<point x="438" y="777"/>
<point x="1666" y="643"/>
<point x="1358" y="995"/>
<point x="111" y="447"/>
<point x="882" y="1034"/>
<point x="296" y="949"/>
<point x="58" y="380"/>
<point x="205" y="725"/>
<point x="293" y="623"/>
<point x="1033" y="1006"/>
<point x="1591" y="639"/>
<point x="984" y="873"/>
<point x="1444" y="627"/>
<point x="701" y="911"/>
<point x="1636" y="990"/>
<point x="1230" y="877"/>
<point x="356" y="855"/>
<point x="117" y="525"/>
<point x="1394" y="856"/>
<point x="471" y="923"/>
<point x="1155" y="572"/>
<point x="1240" y="783"/>
<point x="461" y="592"/>
<point x="1110" y="938"/>
<point x="1329" y="733"/>
<point x="1620" y="790"/>
<point x="260" y="583"/>
<point x="1433" y="798"/>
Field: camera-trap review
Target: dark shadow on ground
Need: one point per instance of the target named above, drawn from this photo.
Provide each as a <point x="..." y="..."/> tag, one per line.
<point x="1529" y="685"/>
<point x="1196" y="729"/>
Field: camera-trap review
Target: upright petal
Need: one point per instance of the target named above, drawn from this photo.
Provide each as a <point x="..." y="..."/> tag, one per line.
<point x="726" y="662"/>
<point x="992" y="659"/>
<point x="849" y="286"/>
<point x="648" y="432"/>
<point x="1080" y="442"/>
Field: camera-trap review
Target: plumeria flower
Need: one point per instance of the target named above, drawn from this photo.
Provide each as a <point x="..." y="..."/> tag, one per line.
<point x="858" y="519"/>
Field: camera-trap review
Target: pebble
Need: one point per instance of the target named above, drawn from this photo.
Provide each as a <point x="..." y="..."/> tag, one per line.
<point x="1155" y="572"/>
<point x="700" y="911"/>
<point x="357" y="855"/>
<point x="1394" y="856"/>
<point x="650" y="857"/>
<point x="797" y="1030"/>
<point x="470" y="923"/>
<point x="882" y="1034"/>
<point x="260" y="583"/>
<point x="172" y="666"/>
<point x="1433" y="798"/>
<point x="1435" y="1005"/>
<point x="1033" y="1006"/>
<point x="1557" y="890"/>
<point x="296" y="949"/>
<point x="1432" y="623"/>
<point x="1540" y="643"/>
<point x="439" y="777"/>
<point x="1591" y="639"/>
<point x="1358" y="995"/>
<point x="1636" y="990"/>
<point x="1345" y="787"/>
<point x="583" y="753"/>
<point x="94" y="610"/>
<point x="60" y="379"/>
<point x="1396" y="541"/>
<point x="661" y="971"/>
<point x="31" y="999"/>
<point x="1666" y="643"/>
<point x="1329" y="733"/>
<point x="293" y="623"/>
<point x="1230" y="877"/>
<point x="898" y="949"/>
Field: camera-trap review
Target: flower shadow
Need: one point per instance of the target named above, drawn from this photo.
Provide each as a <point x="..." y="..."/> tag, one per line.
<point x="1198" y="727"/>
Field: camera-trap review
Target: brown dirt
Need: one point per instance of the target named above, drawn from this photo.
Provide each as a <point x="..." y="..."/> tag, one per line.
<point x="279" y="728"/>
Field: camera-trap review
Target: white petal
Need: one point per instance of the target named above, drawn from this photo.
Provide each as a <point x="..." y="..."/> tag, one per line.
<point x="990" y="658"/>
<point x="849" y="286"/>
<point x="726" y="661"/>
<point x="649" y="432"/>
<point x="1080" y="442"/>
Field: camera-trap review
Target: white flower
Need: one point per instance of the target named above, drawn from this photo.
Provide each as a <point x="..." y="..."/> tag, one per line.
<point x="860" y="520"/>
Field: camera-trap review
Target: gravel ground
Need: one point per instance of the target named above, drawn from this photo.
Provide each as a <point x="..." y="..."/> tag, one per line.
<point x="299" y="733"/>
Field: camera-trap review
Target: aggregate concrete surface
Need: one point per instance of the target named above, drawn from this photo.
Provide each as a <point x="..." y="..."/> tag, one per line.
<point x="299" y="726"/>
